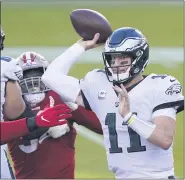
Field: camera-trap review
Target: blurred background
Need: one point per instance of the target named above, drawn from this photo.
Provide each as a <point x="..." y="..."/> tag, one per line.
<point x="44" y="26"/>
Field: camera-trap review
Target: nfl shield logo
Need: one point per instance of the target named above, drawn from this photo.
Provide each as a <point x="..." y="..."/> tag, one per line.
<point x="116" y="104"/>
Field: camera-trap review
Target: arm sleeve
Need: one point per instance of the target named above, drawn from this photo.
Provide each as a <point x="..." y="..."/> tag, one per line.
<point x="56" y="76"/>
<point x="169" y="99"/>
<point x="12" y="130"/>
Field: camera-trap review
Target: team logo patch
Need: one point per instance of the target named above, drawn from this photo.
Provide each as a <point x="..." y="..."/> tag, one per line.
<point x="175" y="88"/>
<point x="102" y="94"/>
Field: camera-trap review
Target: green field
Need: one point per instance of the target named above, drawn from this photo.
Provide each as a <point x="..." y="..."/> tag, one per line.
<point x="50" y="26"/>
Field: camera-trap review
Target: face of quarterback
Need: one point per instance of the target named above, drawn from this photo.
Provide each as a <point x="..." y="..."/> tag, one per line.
<point x="120" y="63"/>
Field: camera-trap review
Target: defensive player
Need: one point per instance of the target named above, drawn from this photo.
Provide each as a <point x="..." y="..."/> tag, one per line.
<point x="138" y="122"/>
<point x="12" y="106"/>
<point x="50" y="152"/>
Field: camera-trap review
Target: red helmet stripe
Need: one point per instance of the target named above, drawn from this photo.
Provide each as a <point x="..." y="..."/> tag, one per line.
<point x="24" y="58"/>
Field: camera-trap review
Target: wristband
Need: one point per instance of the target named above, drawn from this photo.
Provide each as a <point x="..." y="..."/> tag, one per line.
<point x="127" y="117"/>
<point x="31" y="123"/>
<point x="143" y="128"/>
<point x="131" y="119"/>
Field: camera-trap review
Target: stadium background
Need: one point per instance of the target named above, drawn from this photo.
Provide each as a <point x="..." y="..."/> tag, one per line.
<point x="44" y="25"/>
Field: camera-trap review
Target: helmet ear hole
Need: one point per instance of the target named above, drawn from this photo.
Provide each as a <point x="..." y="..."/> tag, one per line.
<point x="135" y="71"/>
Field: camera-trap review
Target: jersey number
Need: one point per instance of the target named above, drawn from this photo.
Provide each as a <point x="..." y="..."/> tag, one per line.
<point x="135" y="141"/>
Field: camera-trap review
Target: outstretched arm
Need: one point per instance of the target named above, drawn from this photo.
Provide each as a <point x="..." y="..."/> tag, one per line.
<point x="11" y="130"/>
<point x="54" y="116"/>
<point x="56" y="76"/>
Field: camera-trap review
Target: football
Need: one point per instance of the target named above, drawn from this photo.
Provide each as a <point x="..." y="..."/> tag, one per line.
<point x="87" y="23"/>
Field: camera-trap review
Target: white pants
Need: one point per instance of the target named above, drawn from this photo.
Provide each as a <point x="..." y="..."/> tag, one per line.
<point x="6" y="171"/>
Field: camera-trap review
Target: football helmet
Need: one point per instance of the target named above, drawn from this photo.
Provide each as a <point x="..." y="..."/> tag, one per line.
<point x="126" y="42"/>
<point x="2" y="38"/>
<point x="33" y="65"/>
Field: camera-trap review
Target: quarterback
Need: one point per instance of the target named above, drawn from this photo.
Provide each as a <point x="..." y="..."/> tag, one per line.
<point x="137" y="112"/>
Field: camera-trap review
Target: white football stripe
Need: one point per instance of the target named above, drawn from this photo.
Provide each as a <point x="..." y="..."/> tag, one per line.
<point x="158" y="55"/>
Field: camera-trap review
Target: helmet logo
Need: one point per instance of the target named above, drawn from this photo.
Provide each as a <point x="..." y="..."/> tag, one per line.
<point x="117" y="104"/>
<point x="138" y="53"/>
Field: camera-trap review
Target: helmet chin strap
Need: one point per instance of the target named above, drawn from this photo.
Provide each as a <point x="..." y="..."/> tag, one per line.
<point x="34" y="99"/>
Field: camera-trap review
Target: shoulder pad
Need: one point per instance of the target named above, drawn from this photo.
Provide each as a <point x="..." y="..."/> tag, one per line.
<point x="163" y="80"/>
<point x="91" y="77"/>
<point x="92" y="74"/>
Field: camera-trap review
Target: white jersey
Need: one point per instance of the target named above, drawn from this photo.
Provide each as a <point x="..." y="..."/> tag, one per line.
<point x="5" y="167"/>
<point x="2" y="98"/>
<point x="128" y="154"/>
<point x="10" y="70"/>
<point x="7" y="71"/>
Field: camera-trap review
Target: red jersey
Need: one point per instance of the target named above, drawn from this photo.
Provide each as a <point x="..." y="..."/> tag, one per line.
<point x="45" y="157"/>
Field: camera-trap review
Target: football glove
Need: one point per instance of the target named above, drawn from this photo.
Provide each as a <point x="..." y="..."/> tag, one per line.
<point x="50" y="117"/>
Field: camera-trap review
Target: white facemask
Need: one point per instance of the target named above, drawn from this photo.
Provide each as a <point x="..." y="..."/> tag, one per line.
<point x="121" y="76"/>
<point x="34" y="98"/>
